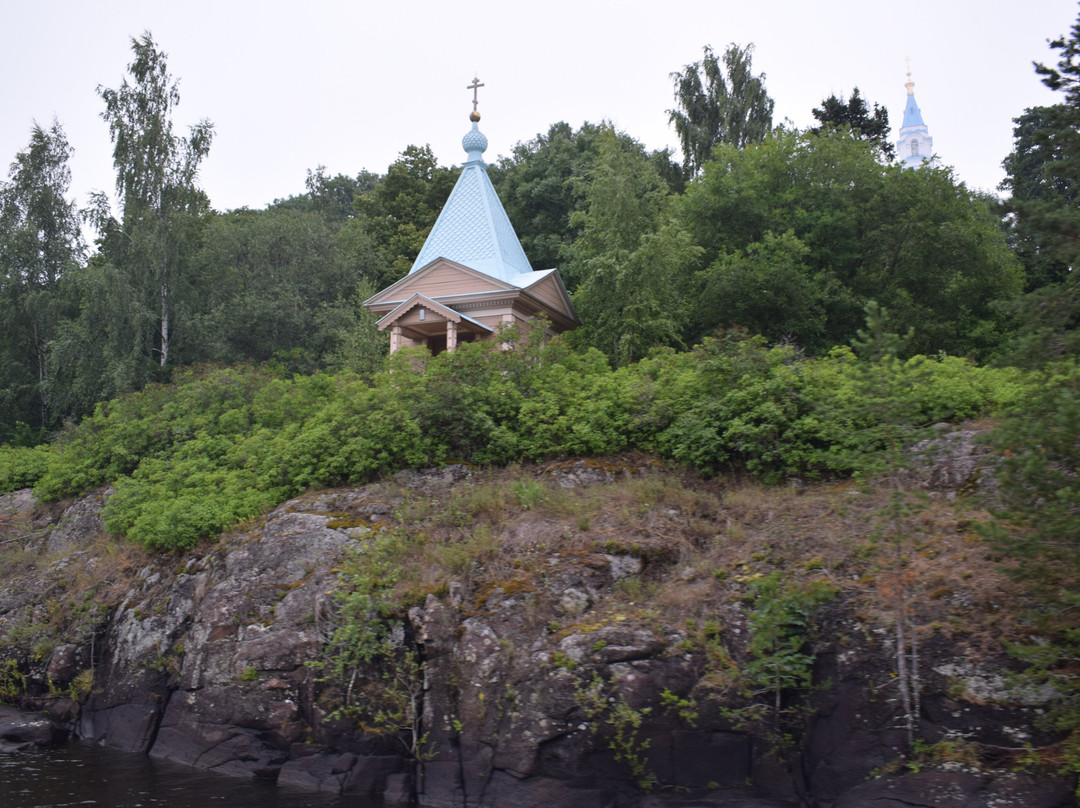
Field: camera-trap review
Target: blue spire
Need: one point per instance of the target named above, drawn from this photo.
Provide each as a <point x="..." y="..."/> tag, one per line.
<point x="912" y="115"/>
<point x="473" y="228"/>
<point x="915" y="146"/>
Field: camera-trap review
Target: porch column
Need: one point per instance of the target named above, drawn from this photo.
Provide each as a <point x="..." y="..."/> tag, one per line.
<point x="451" y="335"/>
<point x="395" y="337"/>
<point x="507" y="320"/>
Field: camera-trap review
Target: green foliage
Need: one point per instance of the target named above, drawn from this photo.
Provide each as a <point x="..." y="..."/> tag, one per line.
<point x="1042" y="174"/>
<point x="1035" y="523"/>
<point x="155" y="183"/>
<point x="39" y="243"/>
<point x="769" y="289"/>
<point x="685" y="708"/>
<point x="543" y="187"/>
<point x="399" y="212"/>
<point x="528" y="493"/>
<point x="561" y="660"/>
<point x="367" y="654"/>
<point x="282" y="290"/>
<point x="536" y="186"/>
<point x="21" y="466"/>
<point x="363" y="604"/>
<point x="219" y="446"/>
<point x="864" y="408"/>
<point x="818" y="221"/>
<point x="131" y="304"/>
<point x="150" y="424"/>
<point x="1048" y="320"/>
<point x="576" y="407"/>
<point x="1043" y="178"/>
<point x="719" y="104"/>
<point x="881" y="412"/>
<point x="630" y="256"/>
<point x="735" y="402"/>
<point x="853" y="117"/>
<point x="360" y="347"/>
<point x="612" y="715"/>
<point x="782" y="610"/>
<point x="12" y="681"/>
<point x="463" y="401"/>
<point x="1066" y="75"/>
<point x="761" y="691"/>
<point x="332" y="198"/>
<point x="922" y="754"/>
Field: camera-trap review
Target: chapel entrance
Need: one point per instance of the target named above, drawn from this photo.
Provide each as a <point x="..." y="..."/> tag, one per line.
<point x="436" y="344"/>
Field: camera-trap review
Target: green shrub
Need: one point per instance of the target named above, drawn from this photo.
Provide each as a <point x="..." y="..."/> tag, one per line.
<point x="736" y="406"/>
<point x="21" y="467"/>
<point x="577" y="407"/>
<point x="122" y="433"/>
<point x="1035" y="527"/>
<point x="221" y="445"/>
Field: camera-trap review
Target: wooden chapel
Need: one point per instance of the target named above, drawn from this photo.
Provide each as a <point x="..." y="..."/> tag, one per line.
<point x="471" y="279"/>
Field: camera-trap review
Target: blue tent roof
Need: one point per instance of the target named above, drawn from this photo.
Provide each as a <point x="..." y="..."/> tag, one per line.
<point x="473" y="228"/>
<point x="912" y="115"/>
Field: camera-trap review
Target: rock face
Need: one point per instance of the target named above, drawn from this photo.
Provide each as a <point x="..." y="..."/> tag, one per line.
<point x="21" y="730"/>
<point x="544" y="684"/>
<point x="958" y="459"/>
<point x="229" y="636"/>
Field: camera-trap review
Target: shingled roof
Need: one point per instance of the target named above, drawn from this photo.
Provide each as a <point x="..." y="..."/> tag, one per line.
<point x="473" y="228"/>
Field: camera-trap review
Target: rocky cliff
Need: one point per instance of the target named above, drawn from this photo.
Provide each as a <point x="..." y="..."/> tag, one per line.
<point x="579" y="634"/>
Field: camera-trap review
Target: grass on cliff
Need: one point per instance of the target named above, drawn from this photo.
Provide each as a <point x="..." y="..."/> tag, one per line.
<point x="701" y="543"/>
<point x="743" y="577"/>
<point x="59" y="598"/>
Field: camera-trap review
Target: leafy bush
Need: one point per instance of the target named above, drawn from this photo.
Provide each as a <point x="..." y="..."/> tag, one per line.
<point x="734" y="406"/>
<point x="21" y="467"/>
<point x="121" y="433"/>
<point x="367" y="653"/>
<point x="222" y="445"/>
<point x="1036" y="523"/>
<point x="783" y="611"/>
<point x="307" y="432"/>
<point x="736" y="403"/>
<point x="861" y="408"/>
<point x="577" y="407"/>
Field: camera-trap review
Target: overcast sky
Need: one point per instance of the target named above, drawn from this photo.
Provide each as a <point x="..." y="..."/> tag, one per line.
<point x="349" y="84"/>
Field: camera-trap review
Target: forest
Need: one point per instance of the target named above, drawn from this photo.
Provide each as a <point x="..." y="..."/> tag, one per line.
<point x="761" y="229"/>
<point x="785" y="305"/>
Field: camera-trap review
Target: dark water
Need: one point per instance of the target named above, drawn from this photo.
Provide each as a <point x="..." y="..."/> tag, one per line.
<point x="82" y="775"/>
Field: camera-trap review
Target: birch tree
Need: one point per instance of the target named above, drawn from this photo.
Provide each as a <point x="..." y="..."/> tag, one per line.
<point x="155" y="185"/>
<point x="39" y="243"/>
<point x="720" y="100"/>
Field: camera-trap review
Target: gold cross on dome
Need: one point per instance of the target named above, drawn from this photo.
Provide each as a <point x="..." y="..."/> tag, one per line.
<point x="475" y="86"/>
